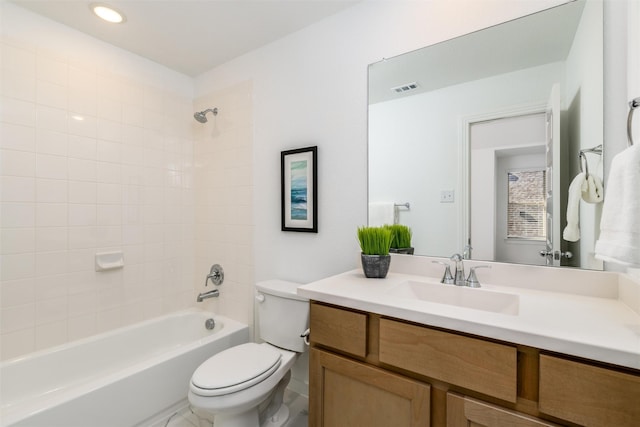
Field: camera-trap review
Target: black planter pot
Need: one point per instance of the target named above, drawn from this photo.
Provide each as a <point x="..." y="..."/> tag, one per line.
<point x="375" y="266"/>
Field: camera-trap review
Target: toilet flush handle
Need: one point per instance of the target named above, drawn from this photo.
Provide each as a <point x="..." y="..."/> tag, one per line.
<point x="260" y="298"/>
<point x="305" y="336"/>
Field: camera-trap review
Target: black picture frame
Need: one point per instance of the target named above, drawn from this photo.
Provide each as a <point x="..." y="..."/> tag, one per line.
<point x="299" y="189"/>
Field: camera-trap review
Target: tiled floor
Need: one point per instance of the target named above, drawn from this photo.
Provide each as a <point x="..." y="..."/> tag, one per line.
<point x="298" y="406"/>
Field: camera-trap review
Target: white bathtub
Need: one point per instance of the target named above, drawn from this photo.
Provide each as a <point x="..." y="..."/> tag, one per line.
<point x="117" y="379"/>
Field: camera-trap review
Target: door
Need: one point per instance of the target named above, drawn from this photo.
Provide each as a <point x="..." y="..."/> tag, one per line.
<point x="344" y="392"/>
<point x="463" y="411"/>
<point x="554" y="220"/>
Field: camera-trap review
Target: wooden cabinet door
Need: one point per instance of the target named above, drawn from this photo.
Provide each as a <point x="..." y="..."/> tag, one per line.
<point x="343" y="392"/>
<point x="463" y="411"/>
<point x="588" y="395"/>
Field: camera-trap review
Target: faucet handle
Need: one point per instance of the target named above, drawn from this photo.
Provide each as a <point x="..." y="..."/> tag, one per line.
<point x="216" y="275"/>
<point x="472" y="281"/>
<point x="448" y="277"/>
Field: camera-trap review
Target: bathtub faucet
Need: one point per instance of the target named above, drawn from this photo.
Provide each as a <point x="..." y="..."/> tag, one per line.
<point x="216" y="275"/>
<point x="211" y="294"/>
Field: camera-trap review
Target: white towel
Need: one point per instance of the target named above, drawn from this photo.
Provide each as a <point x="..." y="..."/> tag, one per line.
<point x="592" y="191"/>
<point x="381" y="213"/>
<point x="571" y="232"/>
<point x="619" y="240"/>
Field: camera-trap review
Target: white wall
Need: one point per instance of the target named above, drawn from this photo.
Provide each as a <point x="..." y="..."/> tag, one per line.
<point x="120" y="179"/>
<point x="622" y="79"/>
<point x="584" y="74"/>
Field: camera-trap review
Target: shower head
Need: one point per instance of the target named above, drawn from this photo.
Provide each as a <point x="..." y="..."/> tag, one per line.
<point x="202" y="115"/>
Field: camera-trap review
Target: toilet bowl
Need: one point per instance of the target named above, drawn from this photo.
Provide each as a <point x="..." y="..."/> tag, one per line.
<point x="243" y="386"/>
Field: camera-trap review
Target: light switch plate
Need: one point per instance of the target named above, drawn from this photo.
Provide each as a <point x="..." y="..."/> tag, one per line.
<point x="447" y="196"/>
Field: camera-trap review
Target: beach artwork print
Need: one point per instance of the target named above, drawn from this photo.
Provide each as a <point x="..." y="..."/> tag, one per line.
<point x="299" y="190"/>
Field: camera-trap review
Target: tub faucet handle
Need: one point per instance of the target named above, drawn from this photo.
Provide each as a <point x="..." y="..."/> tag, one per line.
<point x="216" y="274"/>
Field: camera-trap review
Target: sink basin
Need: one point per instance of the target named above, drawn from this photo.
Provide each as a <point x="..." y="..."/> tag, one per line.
<point x="476" y="299"/>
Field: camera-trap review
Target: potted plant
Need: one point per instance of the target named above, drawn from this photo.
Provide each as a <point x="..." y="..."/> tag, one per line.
<point x="400" y="239"/>
<point x="375" y="243"/>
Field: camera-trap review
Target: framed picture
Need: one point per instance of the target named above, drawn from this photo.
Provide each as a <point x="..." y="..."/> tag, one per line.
<point x="299" y="189"/>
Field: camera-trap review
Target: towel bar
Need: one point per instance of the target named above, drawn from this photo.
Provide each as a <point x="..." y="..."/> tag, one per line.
<point x="633" y="104"/>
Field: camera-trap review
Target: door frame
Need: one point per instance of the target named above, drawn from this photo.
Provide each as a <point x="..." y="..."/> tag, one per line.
<point x="464" y="145"/>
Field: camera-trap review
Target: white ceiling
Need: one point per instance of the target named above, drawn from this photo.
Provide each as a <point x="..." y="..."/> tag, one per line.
<point x="190" y="36"/>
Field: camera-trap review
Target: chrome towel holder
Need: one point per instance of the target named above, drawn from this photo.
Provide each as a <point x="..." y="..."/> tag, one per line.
<point x="583" y="158"/>
<point x="633" y="104"/>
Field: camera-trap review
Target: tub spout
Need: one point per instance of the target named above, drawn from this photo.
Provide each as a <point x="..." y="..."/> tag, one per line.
<point x="211" y="294"/>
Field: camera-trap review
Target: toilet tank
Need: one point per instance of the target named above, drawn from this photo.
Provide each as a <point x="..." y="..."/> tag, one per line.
<point x="282" y="315"/>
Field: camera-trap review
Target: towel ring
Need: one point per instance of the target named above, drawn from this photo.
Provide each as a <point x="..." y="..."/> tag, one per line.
<point x="633" y="104"/>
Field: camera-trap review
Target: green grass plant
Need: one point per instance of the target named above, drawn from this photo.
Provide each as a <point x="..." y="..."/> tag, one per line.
<point x="400" y="236"/>
<point x="374" y="240"/>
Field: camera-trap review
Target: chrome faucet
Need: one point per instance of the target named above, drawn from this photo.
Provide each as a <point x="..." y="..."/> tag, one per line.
<point x="459" y="279"/>
<point x="216" y="275"/>
<point x="466" y="253"/>
<point x="214" y="293"/>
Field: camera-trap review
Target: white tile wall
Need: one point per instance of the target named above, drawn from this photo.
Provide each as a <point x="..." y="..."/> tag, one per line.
<point x="223" y="199"/>
<point x="90" y="161"/>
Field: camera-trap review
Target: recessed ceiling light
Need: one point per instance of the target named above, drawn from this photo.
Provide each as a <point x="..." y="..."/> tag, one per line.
<point x="107" y="13"/>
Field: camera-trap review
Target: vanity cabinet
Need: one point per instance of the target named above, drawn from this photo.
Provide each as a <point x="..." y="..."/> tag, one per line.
<point x="349" y="392"/>
<point x="372" y="370"/>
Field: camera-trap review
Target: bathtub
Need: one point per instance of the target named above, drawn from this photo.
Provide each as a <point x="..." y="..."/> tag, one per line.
<point x="119" y="378"/>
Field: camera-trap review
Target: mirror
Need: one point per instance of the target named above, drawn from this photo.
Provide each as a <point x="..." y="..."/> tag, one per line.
<point x="476" y="139"/>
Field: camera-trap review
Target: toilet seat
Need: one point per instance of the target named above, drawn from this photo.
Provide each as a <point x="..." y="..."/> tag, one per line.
<point x="235" y="369"/>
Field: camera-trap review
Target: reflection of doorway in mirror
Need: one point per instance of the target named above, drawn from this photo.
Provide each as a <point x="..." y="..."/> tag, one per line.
<point x="499" y="148"/>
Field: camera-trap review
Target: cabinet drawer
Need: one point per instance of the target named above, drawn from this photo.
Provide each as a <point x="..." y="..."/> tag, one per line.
<point x="478" y="365"/>
<point x="342" y="330"/>
<point x="588" y="395"/>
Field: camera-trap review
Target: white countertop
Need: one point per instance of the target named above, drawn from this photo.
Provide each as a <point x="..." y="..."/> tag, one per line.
<point x="600" y="328"/>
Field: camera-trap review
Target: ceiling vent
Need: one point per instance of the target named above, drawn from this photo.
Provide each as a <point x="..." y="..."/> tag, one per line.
<point x="405" y="87"/>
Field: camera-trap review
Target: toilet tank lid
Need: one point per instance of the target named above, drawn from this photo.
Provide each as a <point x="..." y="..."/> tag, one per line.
<point x="280" y="288"/>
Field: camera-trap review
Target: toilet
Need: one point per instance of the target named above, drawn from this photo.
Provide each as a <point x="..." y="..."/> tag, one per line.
<point x="243" y="386"/>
